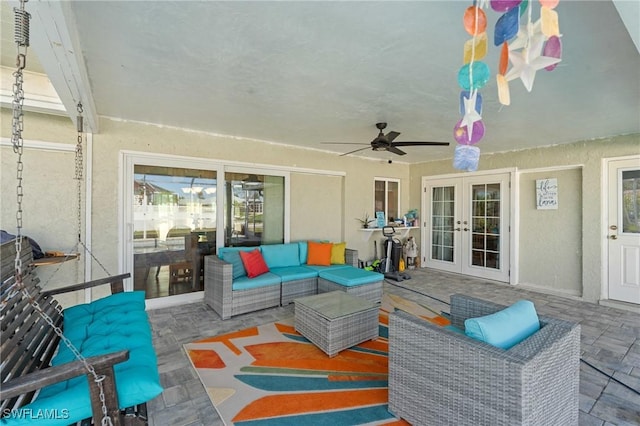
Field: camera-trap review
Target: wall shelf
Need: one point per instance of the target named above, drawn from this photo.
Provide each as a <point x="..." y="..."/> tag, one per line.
<point x="401" y="231"/>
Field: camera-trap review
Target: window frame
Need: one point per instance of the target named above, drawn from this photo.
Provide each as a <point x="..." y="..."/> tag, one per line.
<point x="386" y="181"/>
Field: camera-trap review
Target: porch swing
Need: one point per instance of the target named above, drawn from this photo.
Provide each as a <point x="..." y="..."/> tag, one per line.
<point x="108" y="341"/>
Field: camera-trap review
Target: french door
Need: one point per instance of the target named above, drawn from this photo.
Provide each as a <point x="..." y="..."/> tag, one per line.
<point x="467" y="225"/>
<point x="623" y="229"/>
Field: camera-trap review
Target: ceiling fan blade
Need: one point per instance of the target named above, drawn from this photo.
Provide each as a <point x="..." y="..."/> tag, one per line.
<point x="395" y="150"/>
<point x="343" y="143"/>
<point x="421" y="144"/>
<point x="357" y="150"/>
<point x="392" y="135"/>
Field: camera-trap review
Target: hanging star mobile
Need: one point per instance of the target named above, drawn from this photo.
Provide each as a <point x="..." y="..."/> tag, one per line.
<point x="529" y="46"/>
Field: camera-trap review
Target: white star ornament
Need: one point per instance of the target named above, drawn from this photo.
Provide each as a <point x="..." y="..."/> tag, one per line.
<point x="527" y="62"/>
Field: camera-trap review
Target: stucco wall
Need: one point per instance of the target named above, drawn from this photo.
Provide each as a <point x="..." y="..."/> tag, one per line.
<point x="588" y="155"/>
<point x="49" y="195"/>
<point x="314" y="211"/>
<point x="554" y="261"/>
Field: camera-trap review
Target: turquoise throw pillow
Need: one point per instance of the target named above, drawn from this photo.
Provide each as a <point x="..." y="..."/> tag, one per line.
<point x="232" y="255"/>
<point x="505" y="328"/>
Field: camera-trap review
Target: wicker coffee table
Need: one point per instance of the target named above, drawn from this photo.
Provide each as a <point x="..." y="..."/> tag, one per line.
<point x="336" y="321"/>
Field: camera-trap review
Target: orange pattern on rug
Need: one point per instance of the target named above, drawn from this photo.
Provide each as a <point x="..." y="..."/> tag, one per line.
<point x="271" y="375"/>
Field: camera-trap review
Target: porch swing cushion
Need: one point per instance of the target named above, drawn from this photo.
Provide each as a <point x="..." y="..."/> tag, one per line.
<point x="114" y="323"/>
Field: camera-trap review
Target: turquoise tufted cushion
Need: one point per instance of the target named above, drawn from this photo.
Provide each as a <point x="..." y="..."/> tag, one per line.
<point x="303" y="248"/>
<point x="114" y="323"/>
<point x="505" y="328"/>
<point x="281" y="255"/>
<point x="232" y="255"/>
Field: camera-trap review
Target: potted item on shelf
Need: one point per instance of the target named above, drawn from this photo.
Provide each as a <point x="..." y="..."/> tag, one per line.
<point x="365" y="221"/>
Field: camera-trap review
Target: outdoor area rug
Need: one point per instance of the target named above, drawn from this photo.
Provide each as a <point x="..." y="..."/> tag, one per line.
<point x="271" y="375"/>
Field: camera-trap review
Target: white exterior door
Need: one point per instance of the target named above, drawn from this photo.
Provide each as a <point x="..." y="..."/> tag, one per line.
<point x="623" y="230"/>
<point x="467" y="225"/>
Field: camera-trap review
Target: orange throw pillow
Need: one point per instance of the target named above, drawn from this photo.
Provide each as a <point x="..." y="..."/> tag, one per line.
<point x="254" y="263"/>
<point x="319" y="253"/>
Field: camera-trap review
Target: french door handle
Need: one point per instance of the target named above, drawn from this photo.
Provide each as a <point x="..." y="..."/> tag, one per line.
<point x="465" y="229"/>
<point x="457" y="229"/>
<point x="613" y="237"/>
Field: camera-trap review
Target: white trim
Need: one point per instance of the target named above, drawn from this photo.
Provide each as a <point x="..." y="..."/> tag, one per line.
<point x="55" y="40"/>
<point x="551" y="169"/>
<point x="572" y="294"/>
<point x="88" y="225"/>
<point x="514" y="253"/>
<point x="40" y="145"/>
<point x="240" y="164"/>
<point x="178" y="299"/>
<point x="604" y="216"/>
<point x="35" y="103"/>
<point x="472" y="174"/>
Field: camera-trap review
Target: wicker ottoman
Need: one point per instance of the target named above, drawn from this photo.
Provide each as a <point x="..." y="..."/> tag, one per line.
<point x="357" y="282"/>
<point x="336" y="321"/>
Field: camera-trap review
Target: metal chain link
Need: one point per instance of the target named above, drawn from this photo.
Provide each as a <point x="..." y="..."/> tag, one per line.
<point x="79" y="169"/>
<point x="21" y="32"/>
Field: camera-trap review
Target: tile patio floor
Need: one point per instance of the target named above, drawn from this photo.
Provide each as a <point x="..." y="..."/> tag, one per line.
<point x="610" y="341"/>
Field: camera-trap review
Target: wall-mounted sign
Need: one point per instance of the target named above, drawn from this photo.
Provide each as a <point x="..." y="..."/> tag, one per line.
<point x="547" y="194"/>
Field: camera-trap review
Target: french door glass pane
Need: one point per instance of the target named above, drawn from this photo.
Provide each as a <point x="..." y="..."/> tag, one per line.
<point x="174" y="227"/>
<point x="393" y="195"/>
<point x="630" y="201"/>
<point x="254" y="209"/>
<point x="485" y="230"/>
<point x="442" y="221"/>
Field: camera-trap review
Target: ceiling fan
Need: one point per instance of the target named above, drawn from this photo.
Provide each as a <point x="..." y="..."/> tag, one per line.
<point x="386" y="142"/>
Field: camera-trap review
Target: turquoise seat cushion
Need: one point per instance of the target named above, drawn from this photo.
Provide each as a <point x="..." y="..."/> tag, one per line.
<point x="320" y="268"/>
<point x="114" y="323"/>
<point x="246" y="283"/>
<point x="293" y="273"/>
<point x="130" y="298"/>
<point x="281" y="255"/>
<point x="232" y="255"/>
<point x="350" y="276"/>
<point x="505" y="328"/>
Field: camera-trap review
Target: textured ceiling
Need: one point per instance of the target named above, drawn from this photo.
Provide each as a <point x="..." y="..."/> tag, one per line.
<point x="303" y="73"/>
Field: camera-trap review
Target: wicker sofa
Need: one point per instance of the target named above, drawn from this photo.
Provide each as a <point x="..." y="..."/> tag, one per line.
<point x="287" y="279"/>
<point x="439" y="376"/>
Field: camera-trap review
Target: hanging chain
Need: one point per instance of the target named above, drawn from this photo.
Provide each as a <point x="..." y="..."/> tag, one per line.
<point x="79" y="169"/>
<point x="79" y="179"/>
<point x="21" y="33"/>
<point x="21" y="36"/>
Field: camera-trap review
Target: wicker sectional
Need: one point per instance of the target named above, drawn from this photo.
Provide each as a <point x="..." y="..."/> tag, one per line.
<point x="219" y="292"/>
<point x="442" y="377"/>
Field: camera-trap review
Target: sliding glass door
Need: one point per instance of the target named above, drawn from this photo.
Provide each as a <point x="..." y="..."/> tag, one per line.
<point x="176" y="210"/>
<point x="254" y="209"/>
<point x="174" y="226"/>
